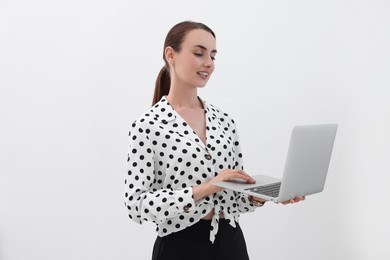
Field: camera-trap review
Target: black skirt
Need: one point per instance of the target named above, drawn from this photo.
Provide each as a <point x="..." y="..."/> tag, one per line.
<point x="193" y="243"/>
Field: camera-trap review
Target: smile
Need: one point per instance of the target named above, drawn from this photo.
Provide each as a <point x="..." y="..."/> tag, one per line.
<point x="203" y="74"/>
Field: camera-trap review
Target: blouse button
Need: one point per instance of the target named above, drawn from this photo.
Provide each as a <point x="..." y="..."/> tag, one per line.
<point x="208" y="156"/>
<point x="186" y="208"/>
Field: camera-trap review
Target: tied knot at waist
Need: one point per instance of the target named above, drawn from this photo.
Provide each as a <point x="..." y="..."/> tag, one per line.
<point x="215" y="221"/>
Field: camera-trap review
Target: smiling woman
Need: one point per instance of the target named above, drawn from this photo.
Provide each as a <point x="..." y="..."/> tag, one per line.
<point x="175" y="44"/>
<point x="192" y="66"/>
<point x="178" y="149"/>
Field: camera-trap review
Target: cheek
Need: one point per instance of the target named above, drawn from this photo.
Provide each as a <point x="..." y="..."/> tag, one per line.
<point x="193" y="63"/>
<point x="187" y="64"/>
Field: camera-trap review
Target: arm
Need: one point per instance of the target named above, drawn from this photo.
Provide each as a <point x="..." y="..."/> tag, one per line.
<point x="145" y="199"/>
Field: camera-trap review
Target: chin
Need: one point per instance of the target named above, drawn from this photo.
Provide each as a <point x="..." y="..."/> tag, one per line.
<point x="201" y="85"/>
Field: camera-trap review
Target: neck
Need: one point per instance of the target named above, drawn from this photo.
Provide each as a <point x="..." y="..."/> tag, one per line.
<point x="181" y="97"/>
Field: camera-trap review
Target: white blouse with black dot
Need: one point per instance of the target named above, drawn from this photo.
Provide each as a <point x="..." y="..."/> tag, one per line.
<point x="166" y="158"/>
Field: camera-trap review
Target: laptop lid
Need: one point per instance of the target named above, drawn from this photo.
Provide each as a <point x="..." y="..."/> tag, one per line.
<point x="307" y="160"/>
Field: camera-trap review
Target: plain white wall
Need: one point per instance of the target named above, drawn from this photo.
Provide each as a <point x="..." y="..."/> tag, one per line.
<point x="74" y="74"/>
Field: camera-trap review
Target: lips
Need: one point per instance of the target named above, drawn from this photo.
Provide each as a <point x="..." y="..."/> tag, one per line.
<point x="203" y="74"/>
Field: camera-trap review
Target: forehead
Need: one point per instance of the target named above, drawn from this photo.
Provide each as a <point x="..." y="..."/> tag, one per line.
<point x="199" y="37"/>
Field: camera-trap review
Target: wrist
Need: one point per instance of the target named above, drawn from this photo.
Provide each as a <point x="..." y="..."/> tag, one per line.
<point x="201" y="191"/>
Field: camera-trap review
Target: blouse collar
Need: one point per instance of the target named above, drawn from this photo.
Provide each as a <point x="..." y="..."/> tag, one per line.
<point x="166" y="114"/>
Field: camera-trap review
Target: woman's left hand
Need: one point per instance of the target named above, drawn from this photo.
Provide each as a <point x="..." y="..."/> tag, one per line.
<point x="294" y="200"/>
<point x="291" y="201"/>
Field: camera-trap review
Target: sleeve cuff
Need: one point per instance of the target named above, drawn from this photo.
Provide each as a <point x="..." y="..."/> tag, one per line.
<point x="185" y="199"/>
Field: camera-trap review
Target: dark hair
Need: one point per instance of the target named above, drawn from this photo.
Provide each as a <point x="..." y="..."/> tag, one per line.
<point x="174" y="39"/>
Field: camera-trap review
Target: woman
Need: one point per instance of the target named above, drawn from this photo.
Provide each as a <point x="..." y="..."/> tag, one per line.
<point x="178" y="149"/>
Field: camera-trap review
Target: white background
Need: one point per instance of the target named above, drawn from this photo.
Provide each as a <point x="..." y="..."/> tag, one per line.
<point x="75" y="74"/>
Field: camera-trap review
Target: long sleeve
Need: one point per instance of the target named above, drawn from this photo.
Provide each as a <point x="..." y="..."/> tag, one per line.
<point x="145" y="197"/>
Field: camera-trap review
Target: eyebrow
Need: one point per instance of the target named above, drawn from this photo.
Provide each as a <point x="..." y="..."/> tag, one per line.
<point x="204" y="48"/>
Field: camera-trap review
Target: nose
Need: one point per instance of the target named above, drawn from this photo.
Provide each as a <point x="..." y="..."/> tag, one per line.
<point x="209" y="63"/>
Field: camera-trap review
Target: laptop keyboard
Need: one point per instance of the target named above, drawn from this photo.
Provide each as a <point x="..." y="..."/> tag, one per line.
<point x="271" y="190"/>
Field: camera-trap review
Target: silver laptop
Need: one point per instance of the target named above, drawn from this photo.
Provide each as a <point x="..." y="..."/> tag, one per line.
<point x="305" y="170"/>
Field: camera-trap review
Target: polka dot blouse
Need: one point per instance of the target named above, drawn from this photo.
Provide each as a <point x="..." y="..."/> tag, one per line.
<point x="166" y="159"/>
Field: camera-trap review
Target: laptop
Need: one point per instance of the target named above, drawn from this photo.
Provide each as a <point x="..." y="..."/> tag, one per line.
<point x="305" y="169"/>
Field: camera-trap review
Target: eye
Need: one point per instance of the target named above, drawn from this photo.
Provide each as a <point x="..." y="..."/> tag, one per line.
<point x="201" y="54"/>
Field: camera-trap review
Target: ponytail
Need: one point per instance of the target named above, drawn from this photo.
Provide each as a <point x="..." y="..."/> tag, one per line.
<point x="163" y="84"/>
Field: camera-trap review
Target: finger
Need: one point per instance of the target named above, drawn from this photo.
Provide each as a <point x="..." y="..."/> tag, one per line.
<point x="258" y="199"/>
<point x="301" y="198"/>
<point x="242" y="177"/>
<point x="246" y="174"/>
<point x="288" y="202"/>
<point x="243" y="172"/>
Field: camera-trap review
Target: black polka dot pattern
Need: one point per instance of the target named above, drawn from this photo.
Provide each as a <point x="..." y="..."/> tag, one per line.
<point x="166" y="159"/>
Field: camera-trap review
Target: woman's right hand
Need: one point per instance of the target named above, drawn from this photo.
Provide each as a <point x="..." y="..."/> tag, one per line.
<point x="208" y="188"/>
<point x="228" y="175"/>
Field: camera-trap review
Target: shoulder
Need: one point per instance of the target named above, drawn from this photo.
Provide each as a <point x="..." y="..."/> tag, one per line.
<point x="158" y="113"/>
<point x="143" y="119"/>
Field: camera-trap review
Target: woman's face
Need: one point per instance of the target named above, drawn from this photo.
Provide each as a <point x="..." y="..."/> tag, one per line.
<point x="194" y="63"/>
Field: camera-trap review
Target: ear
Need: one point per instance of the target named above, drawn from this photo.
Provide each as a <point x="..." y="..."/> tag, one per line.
<point x="170" y="55"/>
